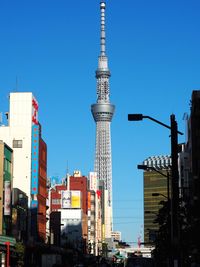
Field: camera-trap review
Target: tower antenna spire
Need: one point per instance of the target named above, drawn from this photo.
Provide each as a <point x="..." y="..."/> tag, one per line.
<point x="103" y="32"/>
<point x="103" y="112"/>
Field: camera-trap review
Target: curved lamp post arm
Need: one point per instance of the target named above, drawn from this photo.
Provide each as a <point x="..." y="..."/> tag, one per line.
<point x="140" y="117"/>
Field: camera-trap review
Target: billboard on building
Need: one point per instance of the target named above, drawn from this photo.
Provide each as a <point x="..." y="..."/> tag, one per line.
<point x="70" y="199"/>
<point x="93" y="181"/>
<point x="71" y="214"/>
<point x="65" y="199"/>
<point x="76" y="199"/>
<point x="7" y="198"/>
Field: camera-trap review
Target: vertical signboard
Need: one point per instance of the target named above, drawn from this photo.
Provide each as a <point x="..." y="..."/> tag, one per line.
<point x="93" y="181"/>
<point x="35" y="148"/>
<point x="89" y="201"/>
<point x="34" y="111"/>
<point x="35" y="159"/>
<point x="7" y="197"/>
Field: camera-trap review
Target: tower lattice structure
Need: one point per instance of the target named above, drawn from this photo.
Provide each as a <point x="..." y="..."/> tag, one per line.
<point x="103" y="112"/>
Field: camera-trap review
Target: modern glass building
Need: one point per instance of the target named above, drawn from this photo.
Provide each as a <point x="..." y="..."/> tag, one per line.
<point x="156" y="184"/>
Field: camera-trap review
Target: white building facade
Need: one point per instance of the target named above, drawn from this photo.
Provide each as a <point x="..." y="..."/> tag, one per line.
<point x="18" y="134"/>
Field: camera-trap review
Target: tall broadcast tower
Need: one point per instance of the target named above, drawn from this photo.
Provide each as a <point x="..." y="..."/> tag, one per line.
<point x="103" y="112"/>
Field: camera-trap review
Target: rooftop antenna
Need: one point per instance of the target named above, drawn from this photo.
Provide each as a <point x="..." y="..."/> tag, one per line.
<point x="68" y="177"/>
<point x="67" y="167"/>
<point x="103" y="32"/>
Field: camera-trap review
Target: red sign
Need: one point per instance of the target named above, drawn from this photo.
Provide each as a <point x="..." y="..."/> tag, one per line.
<point x="99" y="194"/>
<point x="34" y="111"/>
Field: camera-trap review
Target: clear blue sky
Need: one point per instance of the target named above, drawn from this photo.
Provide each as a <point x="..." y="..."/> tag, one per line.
<point x="154" y="57"/>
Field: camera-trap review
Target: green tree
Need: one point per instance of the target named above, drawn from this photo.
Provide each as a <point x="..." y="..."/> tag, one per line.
<point x="104" y="249"/>
<point x="162" y="249"/>
<point x="20" y="250"/>
<point x="163" y="245"/>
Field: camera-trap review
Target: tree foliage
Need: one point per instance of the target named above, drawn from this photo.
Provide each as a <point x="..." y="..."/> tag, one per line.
<point x="20" y="251"/>
<point x="163" y="244"/>
<point x="161" y="252"/>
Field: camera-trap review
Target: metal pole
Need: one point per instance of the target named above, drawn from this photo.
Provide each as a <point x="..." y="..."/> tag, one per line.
<point x="174" y="193"/>
<point x="7" y="254"/>
<point x="168" y="195"/>
<point x="169" y="219"/>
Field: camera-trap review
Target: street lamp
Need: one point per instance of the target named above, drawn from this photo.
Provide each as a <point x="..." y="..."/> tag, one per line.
<point x="140" y="117"/>
<point x="174" y="181"/>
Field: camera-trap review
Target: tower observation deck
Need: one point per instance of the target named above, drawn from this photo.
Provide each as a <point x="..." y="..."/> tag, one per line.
<point x="103" y="112"/>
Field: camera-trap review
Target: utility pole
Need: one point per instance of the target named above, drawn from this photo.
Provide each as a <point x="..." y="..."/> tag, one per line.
<point x="174" y="193"/>
<point x="7" y="253"/>
<point x="175" y="229"/>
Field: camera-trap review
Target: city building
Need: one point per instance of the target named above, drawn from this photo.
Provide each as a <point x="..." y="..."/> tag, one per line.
<point x="94" y="214"/>
<point x="22" y="133"/>
<point x="154" y="183"/>
<point x="79" y="182"/>
<point x="6" y="176"/>
<point x="71" y="201"/>
<point x="184" y="171"/>
<point x="19" y="215"/>
<point x="48" y="211"/>
<point x="103" y="112"/>
<point x="193" y="149"/>
<point x="42" y="194"/>
<point x="91" y="221"/>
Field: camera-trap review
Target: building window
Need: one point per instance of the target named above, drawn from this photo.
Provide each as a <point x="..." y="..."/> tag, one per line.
<point x="55" y="201"/>
<point x="17" y="143"/>
<point x="7" y="165"/>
